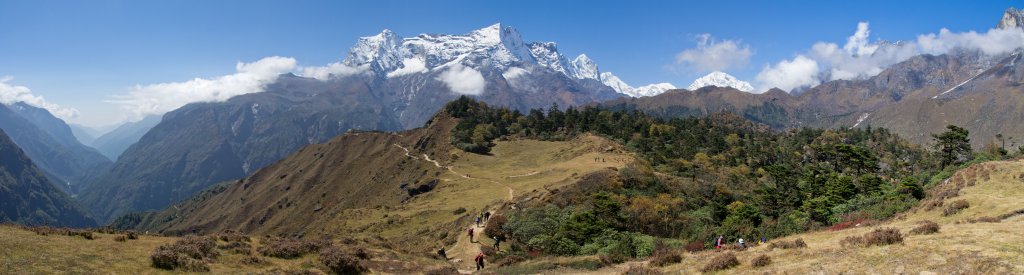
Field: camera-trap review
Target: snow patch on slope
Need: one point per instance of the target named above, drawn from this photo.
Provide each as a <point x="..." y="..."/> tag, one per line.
<point x="720" y="79"/>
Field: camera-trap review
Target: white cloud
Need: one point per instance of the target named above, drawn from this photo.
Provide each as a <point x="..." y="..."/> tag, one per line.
<point x="163" y="97"/>
<point x="10" y="94"/>
<point x="711" y="55"/>
<point x="409" y="66"/>
<point x="336" y="69"/>
<point x="861" y="58"/>
<point x="790" y="74"/>
<point x="463" y="80"/>
<point x="514" y="72"/>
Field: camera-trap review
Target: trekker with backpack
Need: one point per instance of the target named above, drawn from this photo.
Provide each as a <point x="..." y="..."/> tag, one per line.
<point x="497" y="243"/>
<point x="470" y="233"/>
<point x="479" y="261"/>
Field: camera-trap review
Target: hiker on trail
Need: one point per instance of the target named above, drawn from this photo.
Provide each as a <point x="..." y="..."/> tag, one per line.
<point x="487" y="215"/>
<point x="477" y="221"/>
<point x="497" y="243"/>
<point x="470" y="234"/>
<point x="479" y="261"/>
<point x="440" y="252"/>
<point x="718" y="243"/>
<point x="742" y="244"/>
<point x="764" y="240"/>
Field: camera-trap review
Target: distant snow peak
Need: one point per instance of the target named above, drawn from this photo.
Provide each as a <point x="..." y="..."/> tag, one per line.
<point x="585" y="68"/>
<point x="620" y="86"/>
<point x="720" y="79"/>
<point x="1012" y="18"/>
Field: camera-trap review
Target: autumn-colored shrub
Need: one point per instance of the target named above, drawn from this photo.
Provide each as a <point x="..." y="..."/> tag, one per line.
<point x="883" y="236"/>
<point x="448" y="270"/>
<point x="761" y="260"/>
<point x="189" y="254"/>
<point x="925" y="227"/>
<point x="233" y="236"/>
<point x="287" y="248"/>
<point x="663" y="255"/>
<point x="120" y="239"/>
<point x="641" y="270"/>
<point x="236" y="247"/>
<point x="721" y="262"/>
<point x="694" y="246"/>
<point x="955" y="207"/>
<point x="494" y="225"/>
<point x="254" y="260"/>
<point x="341" y="262"/>
<point x="798" y="243"/>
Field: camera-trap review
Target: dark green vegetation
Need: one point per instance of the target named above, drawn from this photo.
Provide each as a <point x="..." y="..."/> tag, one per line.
<point x="28" y="197"/>
<point x="705" y="177"/>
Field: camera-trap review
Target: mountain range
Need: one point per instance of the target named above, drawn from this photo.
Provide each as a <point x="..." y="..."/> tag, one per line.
<point x="27" y="196"/>
<point x="49" y="142"/>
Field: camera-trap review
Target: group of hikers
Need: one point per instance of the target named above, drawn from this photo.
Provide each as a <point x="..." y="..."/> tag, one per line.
<point x="720" y="242"/>
<point x="479" y="259"/>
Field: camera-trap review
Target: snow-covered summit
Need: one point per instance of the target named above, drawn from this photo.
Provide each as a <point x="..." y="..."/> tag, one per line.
<point x="496" y="48"/>
<point x="1012" y="18"/>
<point x="620" y="86"/>
<point x="720" y="79"/>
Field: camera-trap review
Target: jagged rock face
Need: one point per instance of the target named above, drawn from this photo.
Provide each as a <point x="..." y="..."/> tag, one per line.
<point x="1012" y="18"/>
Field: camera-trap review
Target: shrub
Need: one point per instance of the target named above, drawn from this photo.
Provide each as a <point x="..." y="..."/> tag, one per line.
<point x="287" y="248"/>
<point x="955" y="207"/>
<point x="120" y="239"/>
<point x="721" y="262"/>
<point x="448" y="270"/>
<point x="459" y="211"/>
<point x="189" y="254"/>
<point x="641" y="270"/>
<point x="761" y="260"/>
<point x="798" y="243"/>
<point x="340" y="262"/>
<point x="986" y="219"/>
<point x="925" y="227"/>
<point x="237" y="247"/>
<point x="852" y="241"/>
<point x="494" y="225"/>
<point x="509" y="260"/>
<point x="254" y="260"/>
<point x="131" y="235"/>
<point x="667" y="258"/>
<point x="488" y="251"/>
<point x="233" y="236"/>
<point x="694" y="246"/>
<point x="883" y="236"/>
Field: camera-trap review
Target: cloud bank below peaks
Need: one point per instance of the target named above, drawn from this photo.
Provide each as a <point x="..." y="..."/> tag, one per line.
<point x="10" y="94"/>
<point x="861" y="58"/>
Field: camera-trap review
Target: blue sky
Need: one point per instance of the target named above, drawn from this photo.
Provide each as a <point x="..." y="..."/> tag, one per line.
<point x="78" y="54"/>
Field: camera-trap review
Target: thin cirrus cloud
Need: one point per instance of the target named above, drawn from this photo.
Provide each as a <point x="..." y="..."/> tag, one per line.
<point x="711" y="55"/>
<point x="861" y="58"/>
<point x="10" y="94"/>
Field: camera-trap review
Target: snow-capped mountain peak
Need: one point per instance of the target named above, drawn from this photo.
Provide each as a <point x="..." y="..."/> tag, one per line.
<point x="381" y="51"/>
<point x="720" y="79"/>
<point x="585" y="68"/>
<point x="1012" y="18"/>
<point x="620" y="86"/>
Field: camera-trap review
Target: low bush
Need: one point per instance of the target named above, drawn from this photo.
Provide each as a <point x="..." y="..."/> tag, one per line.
<point x="852" y="241"/>
<point x="925" y="227"/>
<point x="955" y="207"/>
<point x="488" y="251"/>
<point x="721" y="262"/>
<point x="233" y="236"/>
<point x="448" y="270"/>
<point x="287" y="248"/>
<point x="341" y="262"/>
<point x="236" y="247"/>
<point x="761" y="260"/>
<point x="494" y="225"/>
<point x="254" y="260"/>
<point x="883" y="236"/>
<point x="46" y="230"/>
<point x="641" y="270"/>
<point x="131" y="235"/>
<point x="509" y="260"/>
<point x="694" y="246"/>
<point x="663" y="259"/>
<point x="188" y="254"/>
<point x="459" y="211"/>
<point x="798" y="243"/>
<point x="120" y="239"/>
